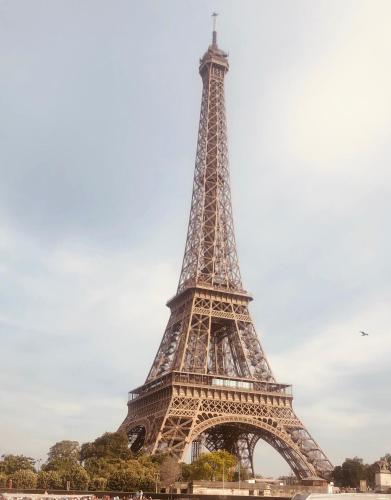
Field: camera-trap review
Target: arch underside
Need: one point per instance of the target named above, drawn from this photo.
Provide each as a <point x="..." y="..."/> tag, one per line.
<point x="136" y="438"/>
<point x="241" y="439"/>
<point x="238" y="435"/>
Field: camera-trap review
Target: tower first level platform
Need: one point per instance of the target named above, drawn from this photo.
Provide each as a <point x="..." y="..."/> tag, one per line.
<point x="169" y="413"/>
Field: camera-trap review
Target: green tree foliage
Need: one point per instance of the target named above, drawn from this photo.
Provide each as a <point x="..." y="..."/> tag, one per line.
<point x="98" y="484"/>
<point x="243" y="474"/>
<point x="64" y="450"/>
<point x="109" y="445"/>
<point x="77" y="476"/>
<point x="370" y="475"/>
<point x="24" y="479"/>
<point x="109" y="457"/>
<point x="337" y="476"/>
<point x="211" y="466"/>
<point x="149" y="461"/>
<point x="62" y="456"/>
<point x="123" y="480"/>
<point x="133" y="475"/>
<point x="12" y="463"/>
<point x="102" y="467"/>
<point x="186" y="471"/>
<point x="349" y="474"/>
<point x="49" y="480"/>
<point x="169" y="471"/>
<point x="3" y="480"/>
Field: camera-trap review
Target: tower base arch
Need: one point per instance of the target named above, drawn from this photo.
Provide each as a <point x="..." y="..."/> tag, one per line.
<point x="189" y="407"/>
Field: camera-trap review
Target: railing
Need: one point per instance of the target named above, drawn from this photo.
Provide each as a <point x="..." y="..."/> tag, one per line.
<point x="198" y="283"/>
<point x="231" y="382"/>
<point x="214" y="380"/>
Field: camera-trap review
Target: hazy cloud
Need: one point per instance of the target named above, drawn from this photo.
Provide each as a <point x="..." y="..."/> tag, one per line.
<point x="99" y="115"/>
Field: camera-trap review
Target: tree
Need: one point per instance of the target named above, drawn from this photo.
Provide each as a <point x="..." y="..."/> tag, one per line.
<point x="98" y="484"/>
<point x="337" y="475"/>
<point x="212" y="466"/>
<point x="62" y="456"/>
<point x="3" y="480"/>
<point x="350" y="473"/>
<point x="100" y="470"/>
<point x="77" y="476"/>
<point x="186" y="471"/>
<point x="102" y="467"/>
<point x="242" y="474"/>
<point x="169" y="471"/>
<point x="12" y="463"/>
<point x="133" y="475"/>
<point x="123" y="480"/>
<point x="109" y="445"/>
<point x="64" y="450"/>
<point x="24" y="479"/>
<point x="370" y="475"/>
<point x="49" y="480"/>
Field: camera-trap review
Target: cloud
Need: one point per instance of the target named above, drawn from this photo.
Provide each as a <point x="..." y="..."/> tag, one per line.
<point x="98" y="136"/>
<point x="342" y="349"/>
<point x="343" y="107"/>
<point x="69" y="337"/>
<point x="336" y="374"/>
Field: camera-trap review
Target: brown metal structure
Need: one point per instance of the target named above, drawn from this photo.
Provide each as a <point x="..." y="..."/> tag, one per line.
<point x="210" y="383"/>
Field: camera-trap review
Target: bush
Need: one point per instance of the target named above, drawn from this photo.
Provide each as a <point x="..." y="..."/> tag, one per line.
<point x="3" y="480"/>
<point x="13" y="463"/>
<point x="24" y="479"/>
<point x="49" y="480"/>
<point x="98" y="484"/>
<point x="110" y="445"/>
<point x="77" y="476"/>
<point x="103" y="467"/>
<point x="132" y="476"/>
<point x="123" y="480"/>
<point x="211" y="466"/>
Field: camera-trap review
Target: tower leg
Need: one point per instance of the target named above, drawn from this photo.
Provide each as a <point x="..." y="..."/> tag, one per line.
<point x="195" y="449"/>
<point x="245" y="451"/>
<point x="235" y="439"/>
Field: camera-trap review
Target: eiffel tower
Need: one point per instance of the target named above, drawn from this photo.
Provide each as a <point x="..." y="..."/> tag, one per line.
<point x="210" y="384"/>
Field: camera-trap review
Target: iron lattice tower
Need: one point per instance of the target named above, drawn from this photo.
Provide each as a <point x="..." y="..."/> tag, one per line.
<point x="210" y="383"/>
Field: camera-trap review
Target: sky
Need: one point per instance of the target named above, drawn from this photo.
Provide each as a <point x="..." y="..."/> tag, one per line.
<point x="99" y="109"/>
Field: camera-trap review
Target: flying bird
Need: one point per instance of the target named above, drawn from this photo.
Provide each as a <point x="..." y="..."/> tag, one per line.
<point x="364" y="334"/>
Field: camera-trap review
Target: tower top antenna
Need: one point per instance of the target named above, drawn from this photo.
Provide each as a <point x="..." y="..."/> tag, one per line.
<point x="214" y="34"/>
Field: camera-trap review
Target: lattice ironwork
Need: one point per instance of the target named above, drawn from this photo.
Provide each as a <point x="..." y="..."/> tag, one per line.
<point x="210" y="383"/>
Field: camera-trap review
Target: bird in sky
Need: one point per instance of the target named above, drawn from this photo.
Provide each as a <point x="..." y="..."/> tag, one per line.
<point x="364" y="334"/>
